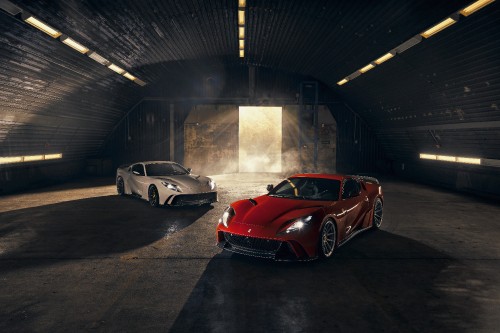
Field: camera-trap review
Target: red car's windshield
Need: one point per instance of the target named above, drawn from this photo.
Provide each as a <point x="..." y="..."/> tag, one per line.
<point x="307" y="189"/>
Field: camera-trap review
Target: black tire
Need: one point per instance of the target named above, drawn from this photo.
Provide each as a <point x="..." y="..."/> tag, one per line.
<point x="153" y="197"/>
<point x="120" y="186"/>
<point x="377" y="214"/>
<point x="327" y="239"/>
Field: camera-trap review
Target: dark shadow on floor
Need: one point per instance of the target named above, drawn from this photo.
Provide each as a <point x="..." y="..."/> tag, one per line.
<point x="98" y="226"/>
<point x="378" y="282"/>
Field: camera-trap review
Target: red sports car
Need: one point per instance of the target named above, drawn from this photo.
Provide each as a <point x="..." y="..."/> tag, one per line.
<point x="304" y="217"/>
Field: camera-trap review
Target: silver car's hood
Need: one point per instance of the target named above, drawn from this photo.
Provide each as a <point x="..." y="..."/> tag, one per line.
<point x="188" y="183"/>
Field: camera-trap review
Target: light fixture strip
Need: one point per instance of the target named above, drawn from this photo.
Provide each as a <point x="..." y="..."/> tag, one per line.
<point x="343" y="81"/>
<point x="97" y="57"/>
<point x="29" y="158"/>
<point x="466" y="11"/>
<point x="474" y="7"/>
<point x="116" y="69"/>
<point x="366" y="68"/>
<point x="42" y="26"/>
<point x="384" y="58"/>
<point x="75" y="45"/>
<point x="438" y="27"/>
<point x="456" y="159"/>
<point x="241" y="27"/>
<point x="129" y="76"/>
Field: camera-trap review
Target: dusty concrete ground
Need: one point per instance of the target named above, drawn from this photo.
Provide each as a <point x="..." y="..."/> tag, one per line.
<point x="77" y="257"/>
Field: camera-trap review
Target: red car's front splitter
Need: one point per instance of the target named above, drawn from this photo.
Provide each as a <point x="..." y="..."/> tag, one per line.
<point x="261" y="247"/>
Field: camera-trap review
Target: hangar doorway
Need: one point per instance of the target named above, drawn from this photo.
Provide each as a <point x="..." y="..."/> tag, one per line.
<point x="260" y="138"/>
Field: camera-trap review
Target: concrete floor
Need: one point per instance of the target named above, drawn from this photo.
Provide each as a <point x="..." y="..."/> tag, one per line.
<point x="77" y="257"/>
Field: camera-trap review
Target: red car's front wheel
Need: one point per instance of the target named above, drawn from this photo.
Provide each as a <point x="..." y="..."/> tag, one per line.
<point x="327" y="239"/>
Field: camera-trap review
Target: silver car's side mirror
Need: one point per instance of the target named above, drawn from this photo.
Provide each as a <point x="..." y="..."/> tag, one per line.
<point x="189" y="170"/>
<point x="136" y="173"/>
<point x="270" y="187"/>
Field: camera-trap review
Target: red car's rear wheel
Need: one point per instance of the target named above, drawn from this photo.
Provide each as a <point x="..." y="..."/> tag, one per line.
<point x="377" y="214"/>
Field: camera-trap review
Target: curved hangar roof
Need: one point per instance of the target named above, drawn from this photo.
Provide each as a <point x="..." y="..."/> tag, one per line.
<point x="376" y="56"/>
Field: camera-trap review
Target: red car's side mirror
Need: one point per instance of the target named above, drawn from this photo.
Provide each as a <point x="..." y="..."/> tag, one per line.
<point x="270" y="187"/>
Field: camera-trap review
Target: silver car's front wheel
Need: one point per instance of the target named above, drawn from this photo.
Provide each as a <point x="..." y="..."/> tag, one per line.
<point x="327" y="239"/>
<point x="153" y="197"/>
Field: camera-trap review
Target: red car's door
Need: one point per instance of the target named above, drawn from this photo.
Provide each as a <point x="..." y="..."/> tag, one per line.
<point x="354" y="205"/>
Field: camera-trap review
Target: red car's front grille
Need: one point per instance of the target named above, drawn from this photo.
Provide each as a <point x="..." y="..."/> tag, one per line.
<point x="252" y="243"/>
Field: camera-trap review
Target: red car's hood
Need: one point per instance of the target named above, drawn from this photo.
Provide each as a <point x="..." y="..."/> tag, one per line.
<point x="267" y="211"/>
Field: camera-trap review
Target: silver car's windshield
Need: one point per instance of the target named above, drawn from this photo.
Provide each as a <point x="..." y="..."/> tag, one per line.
<point x="164" y="169"/>
<point x="308" y="189"/>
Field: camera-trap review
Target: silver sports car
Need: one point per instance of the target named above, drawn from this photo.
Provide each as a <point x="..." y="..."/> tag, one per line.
<point x="165" y="183"/>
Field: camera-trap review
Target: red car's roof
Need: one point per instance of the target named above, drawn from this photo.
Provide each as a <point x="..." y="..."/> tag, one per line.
<point x="319" y="175"/>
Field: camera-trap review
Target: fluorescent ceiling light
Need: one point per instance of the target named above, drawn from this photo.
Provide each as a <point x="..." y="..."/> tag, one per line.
<point x="475" y="7"/>
<point x="242" y="53"/>
<point x="366" y="68"/>
<point x="13" y="159"/>
<point x="341" y="82"/>
<point x="446" y="158"/>
<point x="428" y="156"/>
<point x="241" y="32"/>
<point x="242" y="44"/>
<point x="117" y="69"/>
<point x="469" y="160"/>
<point x="33" y="158"/>
<point x="74" y="45"/>
<point x="241" y="17"/>
<point x="242" y="3"/>
<point x="100" y="59"/>
<point x="438" y="27"/>
<point x="129" y="76"/>
<point x="384" y="58"/>
<point x="53" y="156"/>
<point x="43" y="27"/>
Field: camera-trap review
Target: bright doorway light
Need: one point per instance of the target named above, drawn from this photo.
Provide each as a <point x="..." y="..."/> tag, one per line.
<point x="260" y="136"/>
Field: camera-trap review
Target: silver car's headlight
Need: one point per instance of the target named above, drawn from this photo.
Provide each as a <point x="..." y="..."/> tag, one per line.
<point x="227" y="216"/>
<point x="211" y="183"/>
<point x="171" y="186"/>
<point x="298" y="224"/>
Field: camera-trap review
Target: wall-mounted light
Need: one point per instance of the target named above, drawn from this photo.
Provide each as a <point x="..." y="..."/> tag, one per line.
<point x="116" y="69"/>
<point x="100" y="59"/>
<point x="438" y="27"/>
<point x="41" y="25"/>
<point x="52" y="156"/>
<point x="384" y="58"/>
<point x="242" y="53"/>
<point x="74" y="45"/>
<point x="475" y="7"/>
<point x="242" y="3"/>
<point x="32" y="158"/>
<point x="242" y="44"/>
<point x="456" y="159"/>
<point x="241" y="32"/>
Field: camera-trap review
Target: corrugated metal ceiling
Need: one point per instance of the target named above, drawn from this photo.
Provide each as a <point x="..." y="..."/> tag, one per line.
<point x="64" y="100"/>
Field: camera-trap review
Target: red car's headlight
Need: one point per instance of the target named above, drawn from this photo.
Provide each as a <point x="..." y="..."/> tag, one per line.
<point x="227" y="216"/>
<point x="297" y="225"/>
